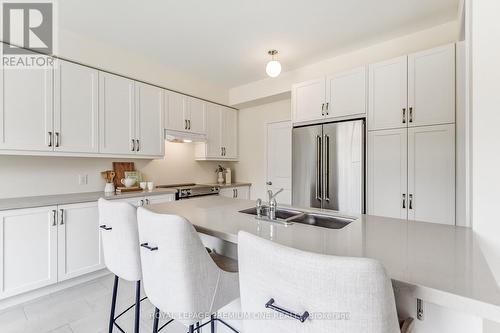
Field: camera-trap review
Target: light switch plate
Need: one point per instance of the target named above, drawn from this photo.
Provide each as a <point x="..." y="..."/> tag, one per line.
<point x="83" y="179"/>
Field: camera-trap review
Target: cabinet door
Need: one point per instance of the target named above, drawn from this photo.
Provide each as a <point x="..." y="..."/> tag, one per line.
<point x="308" y="100"/>
<point x="214" y="131"/>
<point x="346" y="93"/>
<point x="230" y="133"/>
<point x="431" y="174"/>
<point x="175" y="111"/>
<point x="157" y="199"/>
<point x="242" y="192"/>
<point x="196" y="109"/>
<point x="116" y="114"/>
<point x="26" y="109"/>
<point x="387" y="173"/>
<point x="75" y="109"/>
<point x="227" y="192"/>
<point x="79" y="242"/>
<point x="431" y="86"/>
<point x="387" y="100"/>
<point x="149" y="120"/>
<point x="28" y="249"/>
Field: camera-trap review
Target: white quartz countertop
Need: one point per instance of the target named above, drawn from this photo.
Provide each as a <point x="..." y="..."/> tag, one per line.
<point x="224" y="185"/>
<point x="440" y="264"/>
<point x="64" y="199"/>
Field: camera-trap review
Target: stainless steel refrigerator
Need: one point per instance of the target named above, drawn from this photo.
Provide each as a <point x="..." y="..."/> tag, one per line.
<point x="329" y="165"/>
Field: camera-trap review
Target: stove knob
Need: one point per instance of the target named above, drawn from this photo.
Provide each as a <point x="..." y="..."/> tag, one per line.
<point x="189" y="192"/>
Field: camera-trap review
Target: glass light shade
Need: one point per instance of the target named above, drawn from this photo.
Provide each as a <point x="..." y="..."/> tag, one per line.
<point x="273" y="68"/>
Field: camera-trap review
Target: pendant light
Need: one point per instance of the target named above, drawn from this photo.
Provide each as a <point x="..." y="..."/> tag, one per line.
<point x="273" y="67"/>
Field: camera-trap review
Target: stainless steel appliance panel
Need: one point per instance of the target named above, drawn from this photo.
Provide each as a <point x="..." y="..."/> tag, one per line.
<point x="343" y="166"/>
<point x="307" y="173"/>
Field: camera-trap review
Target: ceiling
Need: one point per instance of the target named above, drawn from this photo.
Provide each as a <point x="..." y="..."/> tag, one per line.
<point x="226" y="41"/>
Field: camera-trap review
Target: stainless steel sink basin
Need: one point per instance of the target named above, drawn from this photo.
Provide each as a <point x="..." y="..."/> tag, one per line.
<point x="289" y="216"/>
<point x="281" y="213"/>
<point x="321" y="220"/>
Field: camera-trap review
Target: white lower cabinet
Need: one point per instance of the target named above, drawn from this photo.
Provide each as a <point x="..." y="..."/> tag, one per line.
<point x="411" y="173"/>
<point x="238" y="192"/>
<point x="387" y="173"/>
<point x="79" y="243"/>
<point x="431" y="174"/>
<point x="28" y="249"/>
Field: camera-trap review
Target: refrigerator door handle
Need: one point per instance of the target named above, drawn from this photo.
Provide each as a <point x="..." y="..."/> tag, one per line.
<point x="327" y="168"/>
<point x="318" y="168"/>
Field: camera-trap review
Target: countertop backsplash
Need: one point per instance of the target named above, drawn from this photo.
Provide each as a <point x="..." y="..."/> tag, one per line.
<point x="36" y="175"/>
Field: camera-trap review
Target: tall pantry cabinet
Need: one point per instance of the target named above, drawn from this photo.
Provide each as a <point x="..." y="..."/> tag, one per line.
<point x="411" y="137"/>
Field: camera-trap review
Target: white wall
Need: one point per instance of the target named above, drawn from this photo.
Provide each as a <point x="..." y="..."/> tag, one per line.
<point x="104" y="56"/>
<point x="485" y="29"/>
<point x="34" y="175"/>
<point x="439" y="35"/>
<point x="252" y="143"/>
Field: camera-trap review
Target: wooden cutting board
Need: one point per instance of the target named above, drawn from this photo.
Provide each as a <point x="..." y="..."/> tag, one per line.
<point x="120" y="168"/>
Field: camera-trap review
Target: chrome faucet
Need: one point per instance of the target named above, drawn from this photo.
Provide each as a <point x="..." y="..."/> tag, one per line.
<point x="273" y="203"/>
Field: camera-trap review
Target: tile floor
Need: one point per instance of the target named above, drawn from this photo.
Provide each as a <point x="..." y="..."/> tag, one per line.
<point x="81" y="309"/>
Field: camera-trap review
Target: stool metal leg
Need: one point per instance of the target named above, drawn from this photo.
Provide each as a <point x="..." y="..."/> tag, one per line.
<point x="212" y="324"/>
<point x="156" y="320"/>
<point x="137" y="306"/>
<point x="113" y="305"/>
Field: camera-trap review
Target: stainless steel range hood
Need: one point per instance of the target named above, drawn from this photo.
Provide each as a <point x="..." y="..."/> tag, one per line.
<point x="183" y="137"/>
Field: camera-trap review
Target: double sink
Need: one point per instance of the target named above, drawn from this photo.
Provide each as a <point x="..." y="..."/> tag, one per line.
<point x="289" y="216"/>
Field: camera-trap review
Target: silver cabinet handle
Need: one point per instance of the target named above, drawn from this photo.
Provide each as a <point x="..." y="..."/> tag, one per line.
<point x="54" y="217"/>
<point x="138" y="147"/>
<point x="236" y="192"/>
<point x="410" y="204"/>
<point x="132" y="147"/>
<point x="141" y="203"/>
<point x="323" y="109"/>
<point x="411" y="114"/>
<point x="404" y="115"/>
<point x="189" y="123"/>
<point x="57" y="139"/>
<point x="404" y="201"/>
<point x="185" y="124"/>
<point x="61" y="221"/>
<point x="327" y="167"/>
<point x="224" y="151"/>
<point x="327" y="108"/>
<point x="148" y="202"/>
<point x="50" y="139"/>
<point x="318" y="168"/>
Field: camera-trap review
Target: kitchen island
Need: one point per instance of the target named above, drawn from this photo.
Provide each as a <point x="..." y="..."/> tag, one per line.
<point x="440" y="264"/>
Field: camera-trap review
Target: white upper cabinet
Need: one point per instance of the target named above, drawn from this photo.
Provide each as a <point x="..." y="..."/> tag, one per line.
<point x="387" y="173"/>
<point x="116" y="114"/>
<point x="229" y="120"/>
<point x="222" y="134"/>
<point x="28" y="250"/>
<point x="75" y="108"/>
<point x="346" y="93"/>
<point x="26" y="109"/>
<point x="308" y="100"/>
<point x="149" y="120"/>
<point x="431" y="86"/>
<point x="195" y="115"/>
<point x="79" y="242"/>
<point x="431" y="174"/>
<point x="175" y="111"/>
<point x="213" y="146"/>
<point x="387" y="101"/>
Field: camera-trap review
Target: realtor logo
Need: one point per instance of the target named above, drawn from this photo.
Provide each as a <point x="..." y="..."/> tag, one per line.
<point x="28" y="30"/>
<point x="28" y="25"/>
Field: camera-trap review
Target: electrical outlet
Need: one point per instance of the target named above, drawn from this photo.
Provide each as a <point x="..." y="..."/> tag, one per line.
<point x="83" y="179"/>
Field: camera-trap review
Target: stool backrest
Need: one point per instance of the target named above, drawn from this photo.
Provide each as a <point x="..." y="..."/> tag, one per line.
<point x="340" y="294"/>
<point x="179" y="276"/>
<point x="120" y="239"/>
